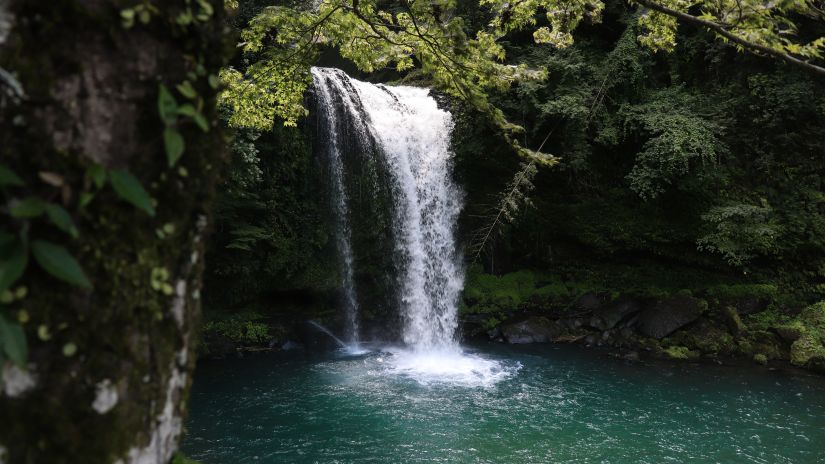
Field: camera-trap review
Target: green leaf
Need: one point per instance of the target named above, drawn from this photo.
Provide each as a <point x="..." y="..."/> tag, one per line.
<point x="187" y="90"/>
<point x="13" y="341"/>
<point x="187" y="110"/>
<point x="13" y="264"/>
<point x="201" y="121"/>
<point x="6" y="239"/>
<point x="28" y="208"/>
<point x="8" y="177"/>
<point x="97" y="174"/>
<point x="167" y="106"/>
<point x="61" y="218"/>
<point x="130" y="189"/>
<point x="214" y="81"/>
<point x="84" y="199"/>
<point x="145" y="16"/>
<point x="174" y="144"/>
<point x="197" y="116"/>
<point x="58" y="262"/>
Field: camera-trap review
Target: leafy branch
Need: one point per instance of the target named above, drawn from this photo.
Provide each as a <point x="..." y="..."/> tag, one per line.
<point x="775" y="51"/>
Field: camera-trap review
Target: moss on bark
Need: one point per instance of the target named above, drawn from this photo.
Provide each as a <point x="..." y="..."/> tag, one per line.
<point x="92" y="90"/>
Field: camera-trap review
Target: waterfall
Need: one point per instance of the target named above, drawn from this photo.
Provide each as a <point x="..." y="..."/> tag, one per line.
<point x="330" y="125"/>
<point x="405" y="127"/>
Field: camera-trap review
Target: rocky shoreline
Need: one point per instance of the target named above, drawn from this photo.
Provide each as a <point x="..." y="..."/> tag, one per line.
<point x="680" y="327"/>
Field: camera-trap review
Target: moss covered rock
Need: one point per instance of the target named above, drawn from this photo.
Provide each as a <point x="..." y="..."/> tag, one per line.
<point x="809" y="349"/>
<point x="681" y="353"/>
<point x="732" y="320"/>
<point x="791" y="331"/>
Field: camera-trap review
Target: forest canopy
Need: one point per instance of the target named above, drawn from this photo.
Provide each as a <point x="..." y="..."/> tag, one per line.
<point x="281" y="43"/>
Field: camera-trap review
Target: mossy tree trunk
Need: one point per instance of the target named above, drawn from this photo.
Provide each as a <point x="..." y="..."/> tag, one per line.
<point x="109" y="368"/>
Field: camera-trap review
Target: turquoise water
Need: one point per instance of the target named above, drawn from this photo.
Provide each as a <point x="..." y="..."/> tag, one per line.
<point x="537" y="404"/>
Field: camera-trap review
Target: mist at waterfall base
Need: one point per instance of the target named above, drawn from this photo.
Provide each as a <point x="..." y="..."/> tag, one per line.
<point x="411" y="134"/>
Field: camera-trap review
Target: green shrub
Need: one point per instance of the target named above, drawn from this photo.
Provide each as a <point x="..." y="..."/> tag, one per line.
<point x="509" y="291"/>
<point x="244" y="328"/>
<point x="742" y="291"/>
<point x="811" y="344"/>
<point x="766" y="320"/>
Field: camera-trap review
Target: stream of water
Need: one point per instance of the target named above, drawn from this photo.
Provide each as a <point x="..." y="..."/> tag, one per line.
<point x="412" y="134"/>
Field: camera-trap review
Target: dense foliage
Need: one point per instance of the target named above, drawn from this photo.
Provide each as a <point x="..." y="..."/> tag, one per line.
<point x="694" y="172"/>
<point x="282" y="42"/>
<point x="273" y="228"/>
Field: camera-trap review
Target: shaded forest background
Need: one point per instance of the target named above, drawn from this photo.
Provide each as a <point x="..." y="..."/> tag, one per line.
<point x="698" y="171"/>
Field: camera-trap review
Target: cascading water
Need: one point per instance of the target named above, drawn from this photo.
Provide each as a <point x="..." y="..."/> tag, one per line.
<point x="413" y="136"/>
<point x="406" y="129"/>
<point x="343" y="237"/>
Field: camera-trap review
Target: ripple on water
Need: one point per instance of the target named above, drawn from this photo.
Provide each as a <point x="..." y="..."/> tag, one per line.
<point x="504" y="405"/>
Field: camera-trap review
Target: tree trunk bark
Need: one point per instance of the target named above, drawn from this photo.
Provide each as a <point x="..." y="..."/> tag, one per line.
<point x="109" y="369"/>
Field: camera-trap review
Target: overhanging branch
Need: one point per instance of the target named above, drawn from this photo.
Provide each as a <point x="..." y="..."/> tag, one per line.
<point x="719" y="29"/>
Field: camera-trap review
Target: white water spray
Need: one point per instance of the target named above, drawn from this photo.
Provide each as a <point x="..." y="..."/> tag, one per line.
<point x="412" y="135"/>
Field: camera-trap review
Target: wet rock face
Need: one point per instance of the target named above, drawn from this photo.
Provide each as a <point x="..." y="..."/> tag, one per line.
<point x="669" y="315"/>
<point x="532" y="330"/>
<point x="733" y="321"/>
<point x="590" y="302"/>
<point x="606" y="317"/>
<point x="790" y="333"/>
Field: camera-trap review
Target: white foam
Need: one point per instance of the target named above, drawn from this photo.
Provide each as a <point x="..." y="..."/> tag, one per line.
<point x="450" y="367"/>
<point x="354" y="349"/>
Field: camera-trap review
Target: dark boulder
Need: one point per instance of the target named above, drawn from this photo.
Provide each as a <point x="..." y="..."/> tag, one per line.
<point x="531" y="330"/>
<point x="750" y="305"/>
<point x="790" y="332"/>
<point x="589" y="302"/>
<point x="606" y="317"/>
<point x="669" y="315"/>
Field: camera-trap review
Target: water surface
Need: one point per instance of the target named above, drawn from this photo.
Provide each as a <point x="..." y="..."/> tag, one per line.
<point x="536" y="404"/>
